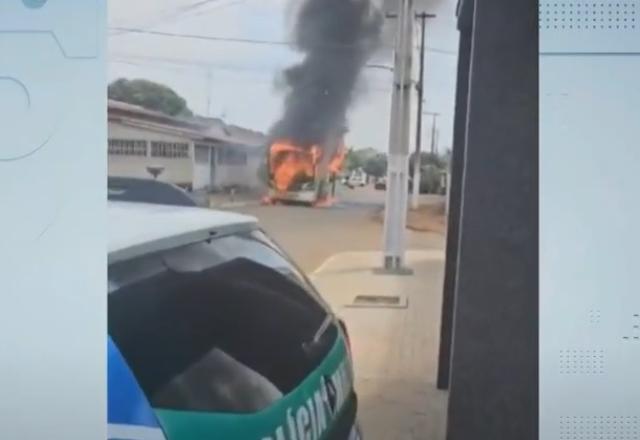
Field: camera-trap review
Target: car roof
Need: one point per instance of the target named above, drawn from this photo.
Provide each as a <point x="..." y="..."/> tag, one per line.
<point x="137" y="229"/>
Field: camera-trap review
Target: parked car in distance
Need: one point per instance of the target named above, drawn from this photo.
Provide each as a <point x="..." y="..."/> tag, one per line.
<point x="216" y="333"/>
<point x="380" y="183"/>
<point x="357" y="179"/>
<point x="133" y="189"/>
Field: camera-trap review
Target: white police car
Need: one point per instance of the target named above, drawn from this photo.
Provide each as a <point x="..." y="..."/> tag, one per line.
<point x="215" y="333"/>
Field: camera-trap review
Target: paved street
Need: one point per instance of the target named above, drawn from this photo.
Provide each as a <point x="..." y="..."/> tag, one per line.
<point x="313" y="235"/>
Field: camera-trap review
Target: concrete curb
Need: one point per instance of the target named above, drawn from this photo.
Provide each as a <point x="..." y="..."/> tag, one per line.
<point x="431" y="254"/>
<point x="227" y="205"/>
<point x="326" y="263"/>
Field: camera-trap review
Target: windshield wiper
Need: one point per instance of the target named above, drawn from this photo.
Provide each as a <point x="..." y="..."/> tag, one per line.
<point x="311" y="347"/>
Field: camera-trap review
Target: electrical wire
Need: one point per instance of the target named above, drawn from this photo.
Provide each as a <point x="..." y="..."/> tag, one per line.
<point x="149" y="60"/>
<point x="218" y="7"/>
<point x="242" y="40"/>
<point x="200" y="37"/>
<point x="177" y="13"/>
<point x="203" y="64"/>
<point x="180" y="68"/>
<point x="226" y="39"/>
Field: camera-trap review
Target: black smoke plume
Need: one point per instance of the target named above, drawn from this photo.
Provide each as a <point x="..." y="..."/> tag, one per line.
<point x="337" y="38"/>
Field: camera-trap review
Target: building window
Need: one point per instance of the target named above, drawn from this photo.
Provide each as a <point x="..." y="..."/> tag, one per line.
<point x="127" y="147"/>
<point x="201" y="153"/>
<point x="170" y="149"/>
<point x="203" y="146"/>
<point x="232" y="155"/>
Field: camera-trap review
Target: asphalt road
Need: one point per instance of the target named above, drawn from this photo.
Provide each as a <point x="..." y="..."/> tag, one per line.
<point x="311" y="235"/>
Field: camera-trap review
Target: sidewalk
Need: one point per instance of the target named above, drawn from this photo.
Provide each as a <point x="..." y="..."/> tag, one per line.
<point x="395" y="349"/>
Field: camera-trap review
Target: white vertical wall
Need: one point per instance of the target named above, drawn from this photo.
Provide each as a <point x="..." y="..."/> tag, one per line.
<point x="178" y="171"/>
<point x="589" y="217"/>
<point x="201" y="166"/>
<point x="245" y="175"/>
<point x="203" y="169"/>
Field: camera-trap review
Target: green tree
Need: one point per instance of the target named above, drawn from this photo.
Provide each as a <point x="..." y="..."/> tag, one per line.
<point x="431" y="179"/>
<point x="150" y="95"/>
<point x="353" y="160"/>
<point x="357" y="158"/>
<point x="376" y="166"/>
<point x="446" y="157"/>
<point x="428" y="159"/>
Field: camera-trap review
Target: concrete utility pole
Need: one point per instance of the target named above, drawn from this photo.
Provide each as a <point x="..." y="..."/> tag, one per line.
<point x="435" y="115"/>
<point x="422" y="16"/>
<point x="395" y="217"/>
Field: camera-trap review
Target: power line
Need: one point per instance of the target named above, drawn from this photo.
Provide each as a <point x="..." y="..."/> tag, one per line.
<point x="185" y="9"/>
<point x="198" y="4"/>
<point x="182" y="10"/>
<point x="441" y="51"/>
<point x="206" y="65"/>
<point x="190" y="71"/>
<point x="204" y="69"/>
<point x="218" y="7"/>
<point x="148" y="60"/>
<point x="181" y="63"/>
<point x="199" y="37"/>
<point x="341" y="46"/>
<point x="243" y="40"/>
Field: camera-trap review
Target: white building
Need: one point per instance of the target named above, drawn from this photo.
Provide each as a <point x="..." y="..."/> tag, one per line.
<point x="198" y="154"/>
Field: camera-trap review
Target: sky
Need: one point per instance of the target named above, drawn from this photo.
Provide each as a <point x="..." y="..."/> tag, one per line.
<point x="238" y="81"/>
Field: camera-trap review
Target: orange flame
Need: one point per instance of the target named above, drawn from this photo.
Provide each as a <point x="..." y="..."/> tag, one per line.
<point x="338" y="160"/>
<point x="289" y="162"/>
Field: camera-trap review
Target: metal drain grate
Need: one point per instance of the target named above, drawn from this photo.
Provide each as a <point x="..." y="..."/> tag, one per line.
<point x="379" y="301"/>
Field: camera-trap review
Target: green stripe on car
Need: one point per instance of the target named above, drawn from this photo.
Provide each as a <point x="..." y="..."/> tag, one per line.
<point x="306" y="413"/>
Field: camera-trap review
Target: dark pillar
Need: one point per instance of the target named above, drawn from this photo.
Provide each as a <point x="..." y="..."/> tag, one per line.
<point x="494" y="368"/>
<point x="465" y="20"/>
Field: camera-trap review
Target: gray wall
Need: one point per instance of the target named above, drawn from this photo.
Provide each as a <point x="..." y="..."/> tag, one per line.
<point x="240" y="174"/>
<point x="494" y="368"/>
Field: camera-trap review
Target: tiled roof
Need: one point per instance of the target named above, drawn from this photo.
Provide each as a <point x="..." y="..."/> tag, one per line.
<point x="197" y="127"/>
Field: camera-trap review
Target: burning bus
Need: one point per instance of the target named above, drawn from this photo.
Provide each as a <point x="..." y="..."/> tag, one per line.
<point x="336" y="38"/>
<point x="303" y="174"/>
